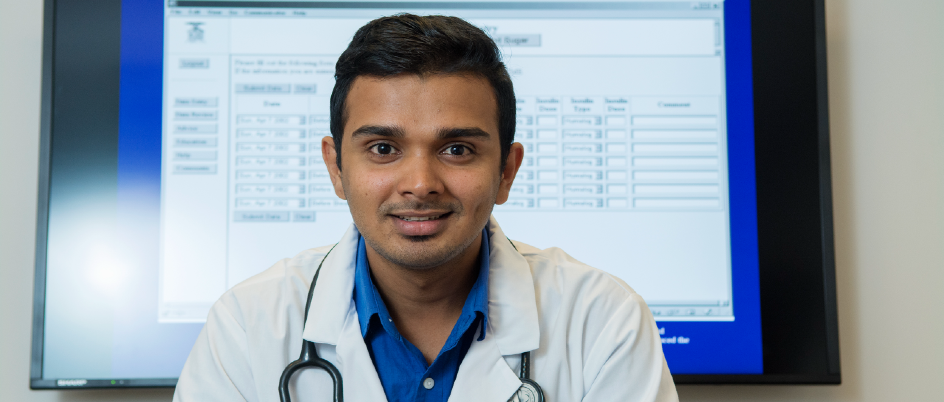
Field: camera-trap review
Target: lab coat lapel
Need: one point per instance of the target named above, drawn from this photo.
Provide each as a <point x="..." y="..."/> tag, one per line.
<point x="332" y="320"/>
<point x="512" y="305"/>
<point x="333" y="295"/>
<point x="361" y="382"/>
<point x="484" y="374"/>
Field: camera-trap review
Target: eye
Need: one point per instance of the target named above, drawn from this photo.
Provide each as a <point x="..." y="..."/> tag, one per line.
<point x="457" y="150"/>
<point x="382" y="148"/>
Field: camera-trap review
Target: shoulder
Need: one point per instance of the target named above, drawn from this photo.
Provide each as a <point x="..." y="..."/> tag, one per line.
<point x="281" y="289"/>
<point x="596" y="327"/>
<point x="553" y="267"/>
<point x="250" y="333"/>
<point x="580" y="304"/>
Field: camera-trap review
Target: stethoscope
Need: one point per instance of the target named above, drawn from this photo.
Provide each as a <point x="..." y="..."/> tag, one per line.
<point x="529" y="391"/>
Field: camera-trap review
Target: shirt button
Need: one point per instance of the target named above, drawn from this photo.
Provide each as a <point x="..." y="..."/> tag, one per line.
<point x="428" y="383"/>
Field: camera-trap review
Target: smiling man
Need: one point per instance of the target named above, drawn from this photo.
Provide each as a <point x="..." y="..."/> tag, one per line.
<point x="425" y="298"/>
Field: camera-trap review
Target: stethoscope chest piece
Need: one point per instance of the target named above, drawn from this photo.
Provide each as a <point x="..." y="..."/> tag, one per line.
<point x="528" y="392"/>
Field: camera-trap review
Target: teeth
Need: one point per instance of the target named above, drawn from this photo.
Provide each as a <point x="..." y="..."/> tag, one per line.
<point x="419" y="218"/>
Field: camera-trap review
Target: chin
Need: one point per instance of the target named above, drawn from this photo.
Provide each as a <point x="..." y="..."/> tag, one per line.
<point x="417" y="252"/>
<point x="418" y="239"/>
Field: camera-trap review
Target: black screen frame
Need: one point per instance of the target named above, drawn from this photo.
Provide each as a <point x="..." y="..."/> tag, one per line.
<point x="795" y="222"/>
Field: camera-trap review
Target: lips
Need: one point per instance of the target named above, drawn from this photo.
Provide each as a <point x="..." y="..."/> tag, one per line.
<point x="420" y="224"/>
<point x="420" y="218"/>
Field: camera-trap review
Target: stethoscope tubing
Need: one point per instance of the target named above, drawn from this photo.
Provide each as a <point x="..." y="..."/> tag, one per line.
<point x="310" y="358"/>
<point x="309" y="354"/>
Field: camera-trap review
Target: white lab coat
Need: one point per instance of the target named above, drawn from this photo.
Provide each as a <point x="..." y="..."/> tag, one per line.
<point x="592" y="337"/>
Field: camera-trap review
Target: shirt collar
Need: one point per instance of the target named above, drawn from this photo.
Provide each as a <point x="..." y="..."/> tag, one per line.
<point x="368" y="302"/>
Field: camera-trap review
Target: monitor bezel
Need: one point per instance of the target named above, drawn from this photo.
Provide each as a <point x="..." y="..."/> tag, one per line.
<point x="791" y="136"/>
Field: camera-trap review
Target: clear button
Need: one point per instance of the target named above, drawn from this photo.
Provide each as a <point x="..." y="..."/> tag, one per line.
<point x="428" y="383"/>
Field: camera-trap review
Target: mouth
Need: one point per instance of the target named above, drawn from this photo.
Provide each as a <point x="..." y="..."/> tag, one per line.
<point x="421" y="218"/>
<point x="420" y="224"/>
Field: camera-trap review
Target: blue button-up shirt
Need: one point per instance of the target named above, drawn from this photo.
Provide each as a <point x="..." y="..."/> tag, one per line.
<point x="403" y="371"/>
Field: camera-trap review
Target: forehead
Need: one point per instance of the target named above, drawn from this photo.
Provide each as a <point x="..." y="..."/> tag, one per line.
<point x="421" y="104"/>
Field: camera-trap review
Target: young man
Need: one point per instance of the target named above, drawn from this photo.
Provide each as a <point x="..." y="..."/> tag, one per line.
<point x="425" y="299"/>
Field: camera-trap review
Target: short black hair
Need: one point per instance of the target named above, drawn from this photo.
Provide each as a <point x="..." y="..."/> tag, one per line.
<point x="411" y="44"/>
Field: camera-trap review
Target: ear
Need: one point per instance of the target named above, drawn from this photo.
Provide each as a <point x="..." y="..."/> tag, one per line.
<point x="330" y="156"/>
<point x="512" y="163"/>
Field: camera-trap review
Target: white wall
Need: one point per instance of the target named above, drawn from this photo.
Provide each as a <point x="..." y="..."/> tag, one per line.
<point x="886" y="83"/>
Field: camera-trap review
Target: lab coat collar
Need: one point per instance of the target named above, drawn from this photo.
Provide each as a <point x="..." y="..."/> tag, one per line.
<point x="335" y="288"/>
<point x="512" y="306"/>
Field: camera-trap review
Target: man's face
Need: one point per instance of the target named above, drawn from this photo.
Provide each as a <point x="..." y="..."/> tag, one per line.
<point x="421" y="164"/>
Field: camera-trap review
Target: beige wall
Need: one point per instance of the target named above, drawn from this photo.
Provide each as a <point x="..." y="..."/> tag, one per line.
<point x="886" y="62"/>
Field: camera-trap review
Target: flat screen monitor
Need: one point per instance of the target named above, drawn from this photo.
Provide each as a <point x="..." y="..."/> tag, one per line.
<point x="680" y="146"/>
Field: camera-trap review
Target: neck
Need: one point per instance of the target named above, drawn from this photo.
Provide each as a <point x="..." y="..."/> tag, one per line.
<point x="432" y="294"/>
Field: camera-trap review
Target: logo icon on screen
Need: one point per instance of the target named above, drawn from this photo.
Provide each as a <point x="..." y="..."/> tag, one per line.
<point x="195" y="34"/>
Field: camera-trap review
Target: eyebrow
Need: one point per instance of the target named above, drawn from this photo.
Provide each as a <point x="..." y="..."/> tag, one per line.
<point x="470" y="132"/>
<point x="443" y="133"/>
<point x="382" y="131"/>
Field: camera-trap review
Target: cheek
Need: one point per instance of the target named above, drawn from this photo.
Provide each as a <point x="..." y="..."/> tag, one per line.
<point x="370" y="187"/>
<point x="475" y="189"/>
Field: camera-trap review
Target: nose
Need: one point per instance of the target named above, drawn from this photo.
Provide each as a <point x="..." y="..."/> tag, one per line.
<point x="420" y="177"/>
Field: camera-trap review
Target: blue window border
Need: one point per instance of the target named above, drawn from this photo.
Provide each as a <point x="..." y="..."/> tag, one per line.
<point x="732" y="347"/>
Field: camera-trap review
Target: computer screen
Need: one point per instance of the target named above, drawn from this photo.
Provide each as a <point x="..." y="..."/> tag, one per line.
<point x="636" y="118"/>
